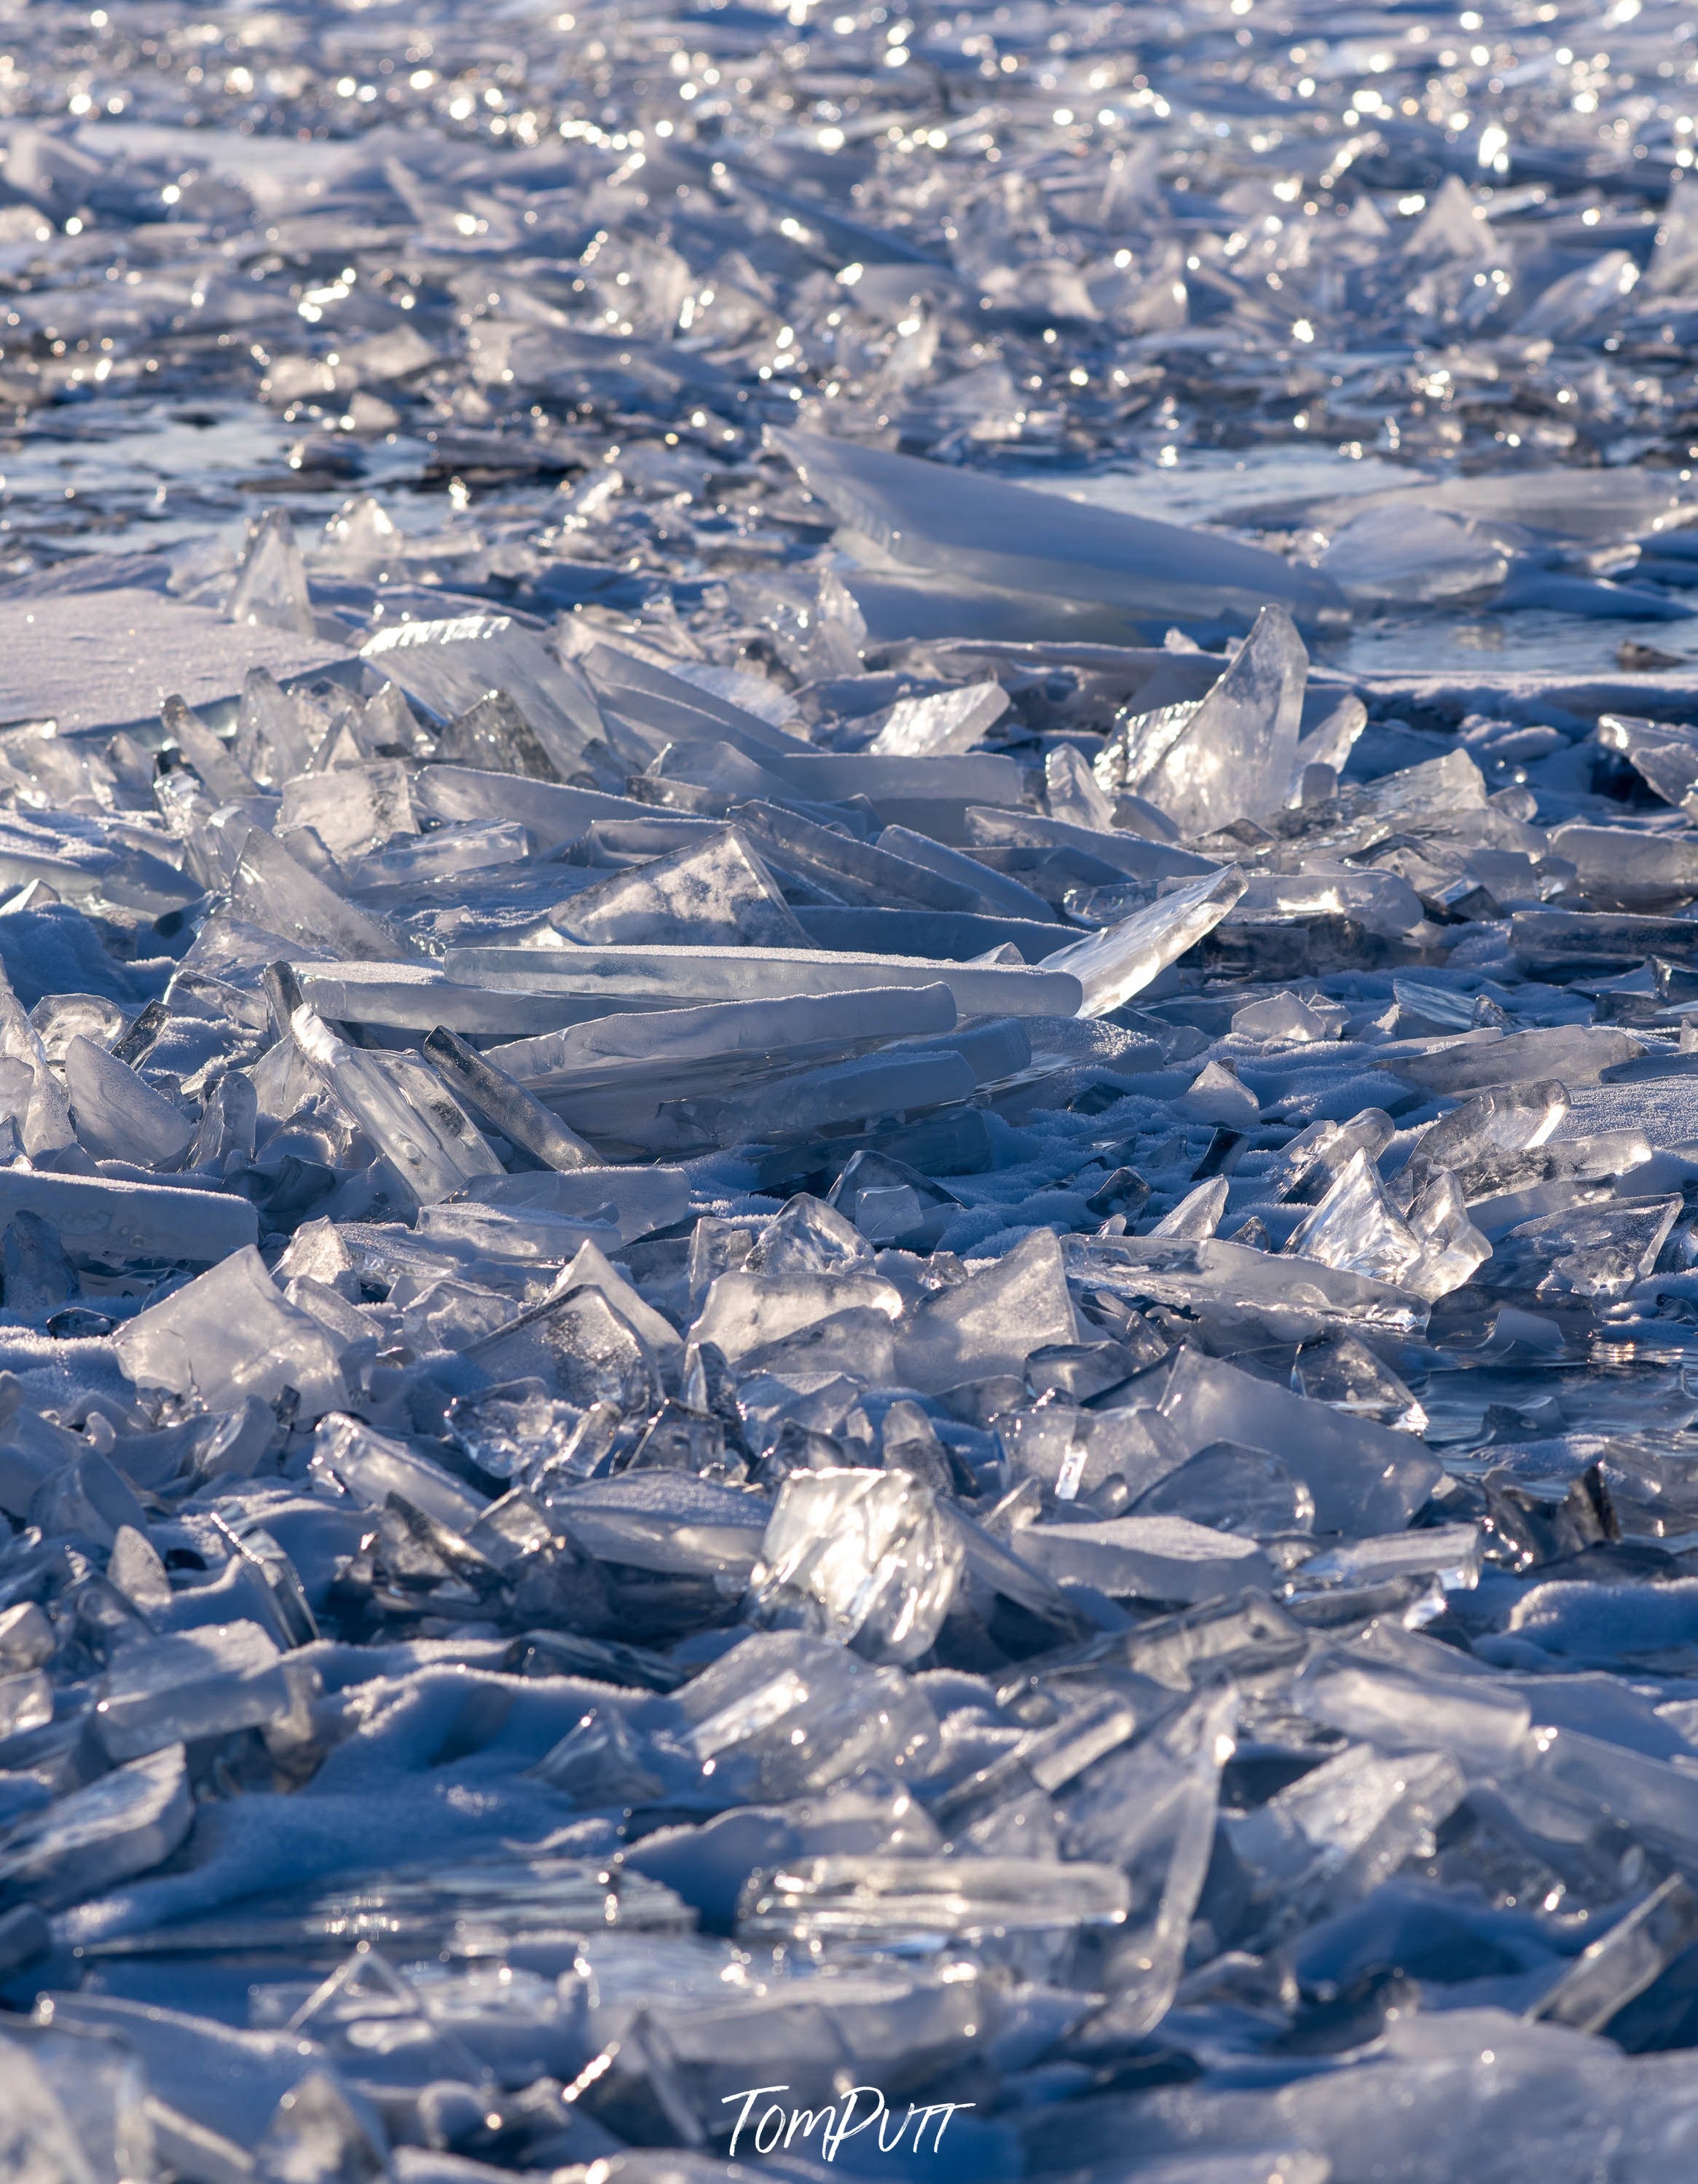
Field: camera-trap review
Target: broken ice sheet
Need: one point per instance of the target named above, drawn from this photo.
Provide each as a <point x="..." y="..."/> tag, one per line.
<point x="1000" y="537"/>
<point x="1122" y="960"/>
<point x="913" y="1900"/>
<point x="967" y="664"/>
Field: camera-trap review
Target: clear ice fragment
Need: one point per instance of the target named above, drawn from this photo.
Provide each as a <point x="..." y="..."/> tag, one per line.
<point x="202" y="1683"/>
<point x="120" y="1823"/>
<point x="715" y="893"/>
<point x="916" y="1900"/>
<point x="229" y="1335"/>
<point x="117" y="1115"/>
<point x="946" y="720"/>
<point x="864" y="1556"/>
<point x="411" y="1118"/>
<point x="270" y="581"/>
<point x="1231" y="755"/>
<point x="1121" y="960"/>
<point x="504" y="1102"/>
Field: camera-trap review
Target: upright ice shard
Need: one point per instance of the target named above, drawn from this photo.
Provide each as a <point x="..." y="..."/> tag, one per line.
<point x="1231" y="755"/>
<point x="414" y="1124"/>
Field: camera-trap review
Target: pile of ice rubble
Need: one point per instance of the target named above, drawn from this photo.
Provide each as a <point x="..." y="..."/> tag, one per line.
<point x="985" y="1399"/>
<point x="787" y="1329"/>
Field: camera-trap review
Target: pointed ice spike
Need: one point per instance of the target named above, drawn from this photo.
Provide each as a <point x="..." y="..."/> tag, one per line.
<point x="810" y="1237"/>
<point x="362" y="539"/>
<point x="315" y="2136"/>
<point x="389" y="728"/>
<point x="503" y="1101"/>
<point x="1356" y="1228"/>
<point x="1072" y="793"/>
<point x="38" y="1276"/>
<point x="1199" y="1212"/>
<point x="271" y="740"/>
<point x="495" y="735"/>
<point x="1234" y="755"/>
<point x="223" y="774"/>
<point x="1330" y="741"/>
<point x="1674" y="267"/>
<point x="1453" y="226"/>
<point x="271" y="582"/>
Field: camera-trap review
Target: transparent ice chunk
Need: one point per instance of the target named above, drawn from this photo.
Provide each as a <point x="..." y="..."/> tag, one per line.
<point x="1356" y="1228"/>
<point x="494" y="735"/>
<point x="505" y="1104"/>
<point x="354" y="810"/>
<point x="122" y="1823"/>
<point x="202" y="1683"/>
<point x="946" y="720"/>
<point x="580" y="1346"/>
<point x="229" y="1335"/>
<point x="1329" y="1838"/>
<point x="1231" y="755"/>
<point x="992" y="1322"/>
<point x="449" y="666"/>
<point x="788" y="1713"/>
<point x="270" y="580"/>
<point x="404" y="1109"/>
<point x="713" y="893"/>
<point x="351" y="1457"/>
<point x="117" y="1115"/>
<point x="979" y="529"/>
<point x="1147" y="1558"/>
<point x="272" y="891"/>
<point x="1121" y="960"/>
<point x="913" y="1900"/>
<point x="1348" y="1375"/>
<point x="864" y="1556"/>
<point x="1624" y="1963"/>
<point x="271" y="743"/>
